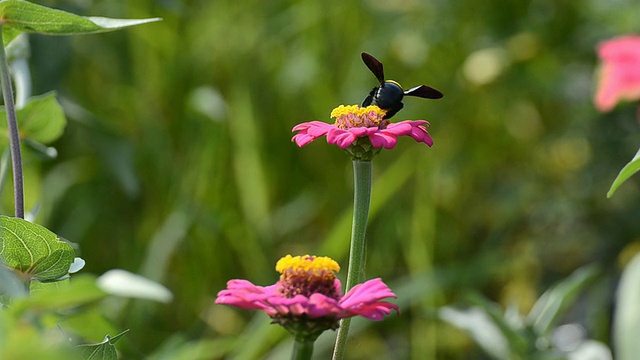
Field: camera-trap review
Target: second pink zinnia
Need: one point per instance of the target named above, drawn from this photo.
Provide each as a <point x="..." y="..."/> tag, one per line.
<point x="307" y="298"/>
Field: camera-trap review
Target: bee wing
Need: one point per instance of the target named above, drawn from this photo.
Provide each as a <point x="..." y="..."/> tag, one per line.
<point x="424" y="91"/>
<point x="374" y="65"/>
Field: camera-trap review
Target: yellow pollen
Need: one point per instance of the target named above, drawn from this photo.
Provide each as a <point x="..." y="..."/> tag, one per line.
<point x="352" y="116"/>
<point x="356" y="110"/>
<point x="306" y="263"/>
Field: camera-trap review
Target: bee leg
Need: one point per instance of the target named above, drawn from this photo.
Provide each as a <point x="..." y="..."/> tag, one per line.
<point x="392" y="111"/>
<point x="369" y="99"/>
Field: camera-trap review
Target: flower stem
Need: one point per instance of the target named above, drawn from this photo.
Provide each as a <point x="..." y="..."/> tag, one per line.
<point x="14" y="137"/>
<point x="302" y="349"/>
<point x="355" y="273"/>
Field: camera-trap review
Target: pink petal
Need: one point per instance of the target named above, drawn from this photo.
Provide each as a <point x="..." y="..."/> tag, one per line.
<point x="382" y="138"/>
<point x="310" y="131"/>
<point x="406" y="127"/>
<point x="282" y="304"/>
<point x="345" y="138"/>
<point x="420" y="134"/>
<point x="318" y="305"/>
<point x="340" y="137"/>
<point x="375" y="311"/>
<point x="414" y="128"/>
<point x="244" y="294"/>
<point x="622" y="48"/>
<point x="302" y="139"/>
<point x="367" y="292"/>
<point x="400" y="128"/>
<point x="619" y="77"/>
<point x="323" y="306"/>
<point x="364" y="299"/>
<point x="320" y="128"/>
<point x="314" y="126"/>
<point x="363" y="131"/>
<point x="285" y="306"/>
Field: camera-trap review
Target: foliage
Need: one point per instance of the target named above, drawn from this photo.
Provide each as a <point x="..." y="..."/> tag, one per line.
<point x="29" y="253"/>
<point x="34" y="252"/>
<point x="629" y="169"/>
<point x="513" y="336"/>
<point x="176" y="162"/>
<point x="627" y="316"/>
<point x="40" y="120"/>
<point x="23" y="16"/>
<point x="104" y="350"/>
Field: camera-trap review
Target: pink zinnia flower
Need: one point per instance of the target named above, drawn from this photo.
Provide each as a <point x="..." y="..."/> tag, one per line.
<point x="354" y="123"/>
<point x="619" y="77"/>
<point x="307" y="299"/>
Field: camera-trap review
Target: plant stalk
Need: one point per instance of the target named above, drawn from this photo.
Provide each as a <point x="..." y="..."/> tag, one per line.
<point x="302" y="349"/>
<point x="357" y="255"/>
<point x="14" y="136"/>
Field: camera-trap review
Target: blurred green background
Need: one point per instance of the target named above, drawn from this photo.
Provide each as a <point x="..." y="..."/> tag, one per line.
<point x="177" y="162"/>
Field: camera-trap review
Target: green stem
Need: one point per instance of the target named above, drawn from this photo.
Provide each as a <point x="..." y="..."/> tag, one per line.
<point x="357" y="257"/>
<point x="14" y="136"/>
<point x="302" y="349"/>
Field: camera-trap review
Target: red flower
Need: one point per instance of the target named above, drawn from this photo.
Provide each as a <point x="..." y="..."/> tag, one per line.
<point x="308" y="296"/>
<point x="353" y="122"/>
<point x="619" y="77"/>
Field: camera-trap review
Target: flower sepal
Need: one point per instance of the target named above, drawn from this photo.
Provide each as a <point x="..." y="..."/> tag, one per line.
<point x="305" y="330"/>
<point x="362" y="149"/>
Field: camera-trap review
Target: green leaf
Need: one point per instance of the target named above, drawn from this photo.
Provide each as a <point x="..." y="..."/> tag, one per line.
<point x="626" y="324"/>
<point x="41" y="120"/>
<point x="554" y="301"/>
<point x="80" y="290"/>
<point x="104" y="350"/>
<point x="179" y="348"/>
<point x="480" y="326"/>
<point x="631" y="168"/>
<point x="27" y="17"/>
<point x="10" y="284"/>
<point x="75" y="322"/>
<point x="59" y="297"/>
<point x="20" y="340"/>
<point x="33" y="251"/>
<point x="509" y="323"/>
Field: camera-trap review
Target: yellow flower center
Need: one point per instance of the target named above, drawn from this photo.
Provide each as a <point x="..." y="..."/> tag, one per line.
<point x="307" y="275"/>
<point x="355" y="116"/>
<point x="306" y="263"/>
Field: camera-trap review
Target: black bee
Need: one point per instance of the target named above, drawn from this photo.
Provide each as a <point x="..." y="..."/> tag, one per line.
<point x="388" y="96"/>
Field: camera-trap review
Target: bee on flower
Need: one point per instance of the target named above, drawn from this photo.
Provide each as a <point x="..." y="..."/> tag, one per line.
<point x="361" y="131"/>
